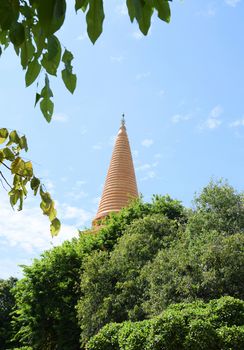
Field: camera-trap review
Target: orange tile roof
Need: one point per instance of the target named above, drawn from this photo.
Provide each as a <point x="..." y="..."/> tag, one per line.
<point x="120" y="185"/>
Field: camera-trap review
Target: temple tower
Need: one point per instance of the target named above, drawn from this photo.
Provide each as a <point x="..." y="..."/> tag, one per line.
<point x="120" y="185"/>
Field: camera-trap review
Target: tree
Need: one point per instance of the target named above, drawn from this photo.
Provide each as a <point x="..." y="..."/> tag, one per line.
<point x="7" y="303"/>
<point x="112" y="286"/>
<point x="45" y="315"/>
<point x="218" y="207"/>
<point x="30" y="26"/>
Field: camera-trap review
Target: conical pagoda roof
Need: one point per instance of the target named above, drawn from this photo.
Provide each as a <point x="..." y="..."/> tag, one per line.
<point x="120" y="185"/>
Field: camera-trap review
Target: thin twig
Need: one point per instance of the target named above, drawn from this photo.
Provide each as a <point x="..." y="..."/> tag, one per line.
<point x="4" y="178"/>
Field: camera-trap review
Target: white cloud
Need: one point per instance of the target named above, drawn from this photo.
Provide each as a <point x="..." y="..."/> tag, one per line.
<point x="82" y="36"/>
<point x="149" y="175"/>
<point x="213" y="121"/>
<point x="147" y="142"/>
<point x="112" y="140"/>
<point x="216" y="112"/>
<point x="157" y="156"/>
<point x="117" y="59"/>
<point x="177" y="118"/>
<point x="76" y="192"/>
<point x="122" y="9"/>
<point x="232" y="3"/>
<point x="60" y="117"/>
<point x="96" y="200"/>
<point x="237" y="123"/>
<point x="209" y="12"/>
<point x="145" y="75"/>
<point x="97" y="147"/>
<point x="137" y="35"/>
<point x="78" y="215"/>
<point x="135" y="153"/>
<point x="143" y="167"/>
<point x="26" y="233"/>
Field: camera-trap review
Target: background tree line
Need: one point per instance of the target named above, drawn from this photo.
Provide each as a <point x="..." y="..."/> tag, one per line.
<point x="131" y="273"/>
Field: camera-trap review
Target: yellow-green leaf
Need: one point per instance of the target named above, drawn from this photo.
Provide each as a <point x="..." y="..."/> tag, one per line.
<point x="3" y="135"/>
<point x="55" y="227"/>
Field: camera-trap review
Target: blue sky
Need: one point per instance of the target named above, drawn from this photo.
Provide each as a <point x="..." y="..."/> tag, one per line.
<point x="181" y="89"/>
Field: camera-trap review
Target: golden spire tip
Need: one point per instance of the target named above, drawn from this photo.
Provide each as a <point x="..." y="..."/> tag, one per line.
<point x="123" y="120"/>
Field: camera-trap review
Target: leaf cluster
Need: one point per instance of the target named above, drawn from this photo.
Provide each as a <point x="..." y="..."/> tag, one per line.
<point x="23" y="177"/>
<point x="31" y="26"/>
<point x="182" y="326"/>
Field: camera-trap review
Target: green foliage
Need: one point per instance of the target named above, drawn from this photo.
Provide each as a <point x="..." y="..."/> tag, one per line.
<point x="120" y="288"/>
<point x="205" y="267"/>
<point x="45" y="316"/>
<point x="116" y="224"/>
<point x="141" y="263"/>
<point x="7" y="303"/>
<point x="231" y="338"/>
<point x="22" y="175"/>
<point x="107" y="338"/>
<point x="133" y="335"/>
<point x="181" y="327"/>
<point x="30" y="25"/>
<point x="218" y="207"/>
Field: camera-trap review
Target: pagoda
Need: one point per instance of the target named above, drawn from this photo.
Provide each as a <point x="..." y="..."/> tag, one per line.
<point x="120" y="185"/>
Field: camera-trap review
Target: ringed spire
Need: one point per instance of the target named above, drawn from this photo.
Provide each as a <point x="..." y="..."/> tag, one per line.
<point x="120" y="185"/>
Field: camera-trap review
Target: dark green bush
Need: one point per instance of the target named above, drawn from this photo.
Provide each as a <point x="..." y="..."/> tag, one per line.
<point x="201" y="336"/>
<point x="231" y="338"/>
<point x="167" y="332"/>
<point x="106" y="339"/>
<point x="194" y="326"/>
<point x="134" y="335"/>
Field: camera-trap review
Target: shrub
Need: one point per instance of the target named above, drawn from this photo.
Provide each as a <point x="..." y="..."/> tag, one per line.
<point x="231" y="338"/>
<point x="134" y="335"/>
<point x="106" y="339"/>
<point x="201" y="336"/>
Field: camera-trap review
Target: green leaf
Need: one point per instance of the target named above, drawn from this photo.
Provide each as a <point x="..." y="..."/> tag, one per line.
<point x="23" y="143"/>
<point x="28" y="170"/>
<point x="51" y="15"/>
<point x="135" y="9"/>
<point x="13" y="138"/>
<point x="69" y="80"/>
<point x="94" y="19"/>
<point x="67" y="57"/>
<point x="9" y="13"/>
<point x="68" y="77"/>
<point x="46" y="106"/>
<point x="33" y="71"/>
<point x="35" y="183"/>
<point x="55" y="227"/>
<point x="8" y="154"/>
<point x="3" y="135"/>
<point x="46" y="91"/>
<point x="163" y="9"/>
<point x="51" y="59"/>
<point x="17" y="34"/>
<point x="145" y="19"/>
<point x="81" y="4"/>
<point x="27" y="52"/>
<point x="18" y="166"/>
<point x="37" y="99"/>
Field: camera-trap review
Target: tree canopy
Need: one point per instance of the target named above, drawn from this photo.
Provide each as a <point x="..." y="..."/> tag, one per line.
<point x="127" y="277"/>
